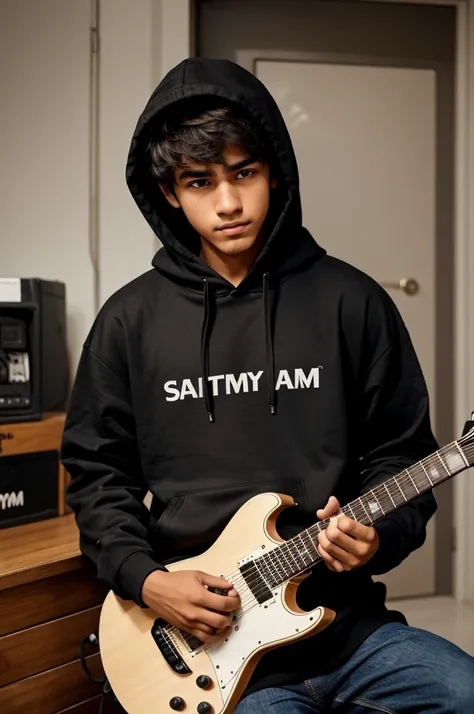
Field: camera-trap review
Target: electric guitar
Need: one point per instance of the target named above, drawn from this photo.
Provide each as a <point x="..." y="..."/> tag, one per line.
<point x="154" y="668"/>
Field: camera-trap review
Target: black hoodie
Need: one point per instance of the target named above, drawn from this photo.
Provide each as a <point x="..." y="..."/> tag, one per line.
<point x="301" y="380"/>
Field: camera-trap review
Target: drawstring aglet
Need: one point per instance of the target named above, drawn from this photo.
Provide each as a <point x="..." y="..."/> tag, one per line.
<point x="211" y="417"/>
<point x="273" y="409"/>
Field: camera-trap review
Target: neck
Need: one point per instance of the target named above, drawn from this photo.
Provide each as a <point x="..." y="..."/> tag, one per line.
<point x="232" y="268"/>
<point x="294" y="556"/>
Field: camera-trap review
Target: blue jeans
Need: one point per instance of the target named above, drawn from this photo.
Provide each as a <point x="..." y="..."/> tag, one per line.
<point x="398" y="669"/>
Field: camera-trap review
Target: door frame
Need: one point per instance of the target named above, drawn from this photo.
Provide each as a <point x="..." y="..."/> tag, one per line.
<point x="182" y="32"/>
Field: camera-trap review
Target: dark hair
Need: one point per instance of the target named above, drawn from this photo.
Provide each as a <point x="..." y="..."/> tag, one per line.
<point x="201" y="136"/>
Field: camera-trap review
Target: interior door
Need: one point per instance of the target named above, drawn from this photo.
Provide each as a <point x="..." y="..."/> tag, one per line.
<point x="368" y="134"/>
<point x="364" y="139"/>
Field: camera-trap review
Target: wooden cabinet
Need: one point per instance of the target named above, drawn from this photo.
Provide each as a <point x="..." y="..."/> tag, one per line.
<point x="49" y="600"/>
<point x="32" y="478"/>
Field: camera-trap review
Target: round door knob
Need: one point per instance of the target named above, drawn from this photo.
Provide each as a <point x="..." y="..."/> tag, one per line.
<point x="409" y="286"/>
<point x="203" y="681"/>
<point x="204" y="708"/>
<point x="177" y="703"/>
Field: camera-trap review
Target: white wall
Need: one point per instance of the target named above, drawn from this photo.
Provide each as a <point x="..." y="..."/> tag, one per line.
<point x="44" y="47"/>
<point x="138" y="46"/>
<point x="128" y="35"/>
<point x="44" y="142"/>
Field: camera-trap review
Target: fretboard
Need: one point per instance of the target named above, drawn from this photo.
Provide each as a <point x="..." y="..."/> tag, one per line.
<point x="299" y="553"/>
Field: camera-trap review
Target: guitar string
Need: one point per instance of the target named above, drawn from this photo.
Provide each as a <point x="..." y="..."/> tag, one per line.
<point x="239" y="580"/>
<point x="255" y="603"/>
<point x="251" y="600"/>
<point x="355" y="506"/>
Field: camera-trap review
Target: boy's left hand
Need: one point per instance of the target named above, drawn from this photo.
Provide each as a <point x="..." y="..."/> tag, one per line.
<point x="345" y="544"/>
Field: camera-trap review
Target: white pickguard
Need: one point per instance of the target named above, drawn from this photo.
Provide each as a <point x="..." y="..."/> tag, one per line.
<point x="260" y="625"/>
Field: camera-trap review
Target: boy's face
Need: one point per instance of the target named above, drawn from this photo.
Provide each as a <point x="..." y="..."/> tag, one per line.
<point x="225" y="203"/>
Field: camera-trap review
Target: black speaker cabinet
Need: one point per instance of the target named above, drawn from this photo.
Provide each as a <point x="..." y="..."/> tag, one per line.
<point x="32" y="478"/>
<point x="34" y="376"/>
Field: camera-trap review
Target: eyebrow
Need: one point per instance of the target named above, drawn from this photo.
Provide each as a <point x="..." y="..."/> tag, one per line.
<point x="228" y="168"/>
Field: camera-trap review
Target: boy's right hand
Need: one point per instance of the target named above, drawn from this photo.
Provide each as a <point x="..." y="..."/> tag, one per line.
<point x="182" y="599"/>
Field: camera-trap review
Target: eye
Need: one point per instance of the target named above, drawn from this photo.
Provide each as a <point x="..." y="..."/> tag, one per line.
<point x="199" y="183"/>
<point x="246" y="173"/>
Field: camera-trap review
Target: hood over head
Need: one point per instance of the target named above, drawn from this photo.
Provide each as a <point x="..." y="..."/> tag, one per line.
<point x="288" y="245"/>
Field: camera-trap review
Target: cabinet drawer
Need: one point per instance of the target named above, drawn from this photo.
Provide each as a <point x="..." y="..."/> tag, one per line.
<point x="40" y="648"/>
<point x="43" y="600"/>
<point x="92" y="707"/>
<point x="52" y="691"/>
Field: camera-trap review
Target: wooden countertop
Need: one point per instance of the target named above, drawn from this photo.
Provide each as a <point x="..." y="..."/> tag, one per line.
<point x="39" y="550"/>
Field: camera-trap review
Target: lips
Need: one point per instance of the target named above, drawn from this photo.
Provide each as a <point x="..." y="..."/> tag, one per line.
<point x="232" y="229"/>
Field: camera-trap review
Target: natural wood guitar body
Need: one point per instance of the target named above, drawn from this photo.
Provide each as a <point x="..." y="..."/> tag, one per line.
<point x="138" y="673"/>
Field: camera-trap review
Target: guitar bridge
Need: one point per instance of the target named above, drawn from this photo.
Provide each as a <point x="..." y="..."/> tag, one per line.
<point x="168" y="648"/>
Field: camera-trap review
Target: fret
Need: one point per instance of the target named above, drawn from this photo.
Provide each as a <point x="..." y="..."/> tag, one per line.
<point x="366" y="511"/>
<point x="263" y="570"/>
<point x="351" y="512"/>
<point x="373" y="504"/>
<point x="300" y="554"/>
<point x="385" y="485"/>
<point x="409" y="486"/>
<point x="271" y="563"/>
<point x="289" y="568"/>
<point x="433" y="475"/>
<point x="357" y="511"/>
<point x="396" y="483"/>
<point x="280" y="565"/>
<point x="431" y="472"/>
<point x="384" y="502"/>
<point x="426" y="473"/>
<point x="304" y="546"/>
<point x="463" y="455"/>
<point x="412" y="479"/>
<point x="312" y="546"/>
<point x="314" y="542"/>
<point x="290" y="550"/>
<point x="443" y="464"/>
<point x="297" y="557"/>
<point x="270" y="576"/>
<point x="455" y="458"/>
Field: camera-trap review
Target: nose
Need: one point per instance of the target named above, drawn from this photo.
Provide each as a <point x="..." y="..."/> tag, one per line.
<point x="228" y="201"/>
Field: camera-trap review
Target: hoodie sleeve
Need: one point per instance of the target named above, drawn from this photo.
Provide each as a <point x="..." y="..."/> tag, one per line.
<point x="106" y="491"/>
<point x="395" y="429"/>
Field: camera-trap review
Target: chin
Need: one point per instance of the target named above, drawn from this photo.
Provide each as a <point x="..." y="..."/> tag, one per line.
<point x="237" y="245"/>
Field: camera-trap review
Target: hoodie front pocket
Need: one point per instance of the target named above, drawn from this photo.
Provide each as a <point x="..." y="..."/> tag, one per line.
<point x="198" y="517"/>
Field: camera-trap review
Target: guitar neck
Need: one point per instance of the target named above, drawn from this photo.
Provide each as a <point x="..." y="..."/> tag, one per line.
<point x="300" y="553"/>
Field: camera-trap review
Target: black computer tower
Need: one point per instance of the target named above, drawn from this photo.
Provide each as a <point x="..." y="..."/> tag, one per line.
<point x="34" y="375"/>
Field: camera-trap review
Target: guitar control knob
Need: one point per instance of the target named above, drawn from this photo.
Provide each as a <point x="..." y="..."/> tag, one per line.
<point x="203" y="681"/>
<point x="177" y="703"/>
<point x="204" y="708"/>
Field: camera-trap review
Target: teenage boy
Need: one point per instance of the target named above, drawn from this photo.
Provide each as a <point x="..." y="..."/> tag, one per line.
<point x="248" y="360"/>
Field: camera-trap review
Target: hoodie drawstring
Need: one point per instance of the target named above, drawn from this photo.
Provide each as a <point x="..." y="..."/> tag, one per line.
<point x="267" y="307"/>
<point x="270" y="356"/>
<point x="206" y="329"/>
